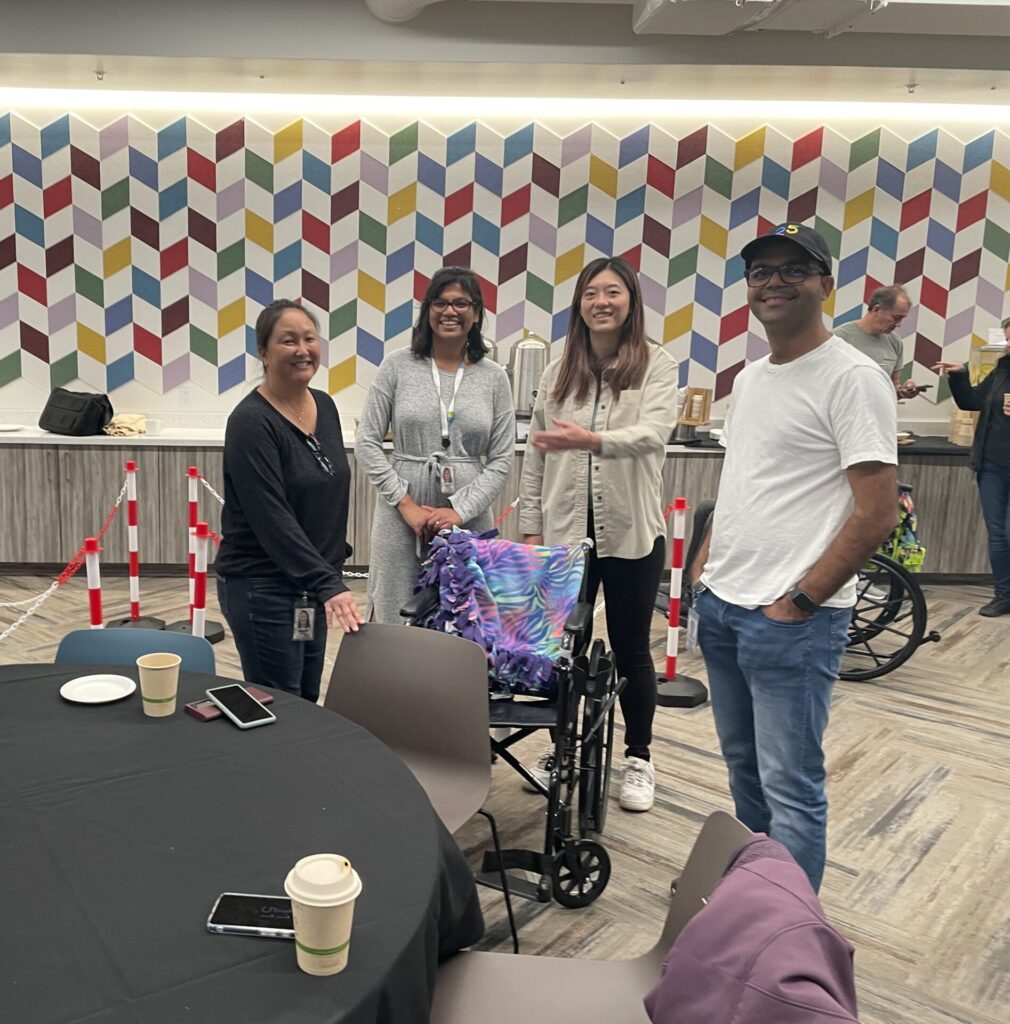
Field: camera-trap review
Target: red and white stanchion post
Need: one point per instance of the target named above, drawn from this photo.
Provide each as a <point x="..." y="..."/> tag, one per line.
<point x="675" y="690"/>
<point x="94" y="582"/>
<point x="212" y="631"/>
<point x="133" y="544"/>
<point x="200" y="580"/>
<point x="193" y="479"/>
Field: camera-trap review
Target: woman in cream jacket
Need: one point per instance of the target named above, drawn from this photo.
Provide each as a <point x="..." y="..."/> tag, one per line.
<point x="594" y="468"/>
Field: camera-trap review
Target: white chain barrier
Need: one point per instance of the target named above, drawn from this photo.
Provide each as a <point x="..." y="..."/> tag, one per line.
<point x="33" y="604"/>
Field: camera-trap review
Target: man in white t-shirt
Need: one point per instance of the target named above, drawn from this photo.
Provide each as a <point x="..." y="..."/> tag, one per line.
<point x="808" y="492"/>
<point x="873" y="334"/>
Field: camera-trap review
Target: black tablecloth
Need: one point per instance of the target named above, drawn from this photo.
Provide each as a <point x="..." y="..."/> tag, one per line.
<point x="118" y="832"/>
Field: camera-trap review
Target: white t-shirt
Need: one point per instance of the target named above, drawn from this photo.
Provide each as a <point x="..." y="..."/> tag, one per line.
<point x="792" y="431"/>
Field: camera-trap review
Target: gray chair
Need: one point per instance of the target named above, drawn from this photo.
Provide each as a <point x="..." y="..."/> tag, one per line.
<point x="125" y="646"/>
<point x="496" y="989"/>
<point x="425" y="695"/>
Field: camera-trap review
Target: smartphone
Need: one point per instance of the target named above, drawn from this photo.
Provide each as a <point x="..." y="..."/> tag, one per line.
<point x="207" y="710"/>
<point x="239" y="913"/>
<point x="240" y="706"/>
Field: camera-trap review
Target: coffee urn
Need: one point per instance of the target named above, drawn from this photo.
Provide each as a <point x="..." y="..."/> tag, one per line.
<point x="527" y="361"/>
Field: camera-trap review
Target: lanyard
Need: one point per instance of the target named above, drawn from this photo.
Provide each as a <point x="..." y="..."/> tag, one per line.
<point x="447" y="414"/>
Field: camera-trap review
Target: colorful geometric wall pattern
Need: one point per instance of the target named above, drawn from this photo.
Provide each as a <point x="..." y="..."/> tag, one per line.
<point x="128" y="253"/>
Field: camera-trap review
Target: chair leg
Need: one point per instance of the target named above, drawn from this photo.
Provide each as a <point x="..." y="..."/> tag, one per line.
<point x="504" y="879"/>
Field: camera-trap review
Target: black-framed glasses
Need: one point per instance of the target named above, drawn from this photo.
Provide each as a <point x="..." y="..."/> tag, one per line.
<point x="791" y="273"/>
<point x="460" y="305"/>
<point x="317" y="450"/>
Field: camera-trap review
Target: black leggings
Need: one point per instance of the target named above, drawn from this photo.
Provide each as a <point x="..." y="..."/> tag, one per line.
<point x="629" y="588"/>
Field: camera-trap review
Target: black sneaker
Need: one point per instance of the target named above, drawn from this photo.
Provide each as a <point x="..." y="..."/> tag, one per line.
<point x="997" y="606"/>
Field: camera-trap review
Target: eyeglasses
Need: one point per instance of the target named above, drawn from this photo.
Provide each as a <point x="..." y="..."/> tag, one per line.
<point x="460" y="305"/>
<point x="791" y="273"/>
<point x="317" y="450"/>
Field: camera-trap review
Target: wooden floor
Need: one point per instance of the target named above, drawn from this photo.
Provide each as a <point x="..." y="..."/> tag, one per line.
<point x="919" y="783"/>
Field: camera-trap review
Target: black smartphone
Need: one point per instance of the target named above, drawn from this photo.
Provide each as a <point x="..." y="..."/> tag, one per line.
<point x="240" y="706"/>
<point x="239" y="913"/>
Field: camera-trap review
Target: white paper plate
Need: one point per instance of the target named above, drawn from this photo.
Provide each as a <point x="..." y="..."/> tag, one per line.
<point x="100" y="689"/>
<point x="11" y="428"/>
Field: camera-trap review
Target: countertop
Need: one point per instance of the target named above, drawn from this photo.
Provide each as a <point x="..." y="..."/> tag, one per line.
<point x="213" y="437"/>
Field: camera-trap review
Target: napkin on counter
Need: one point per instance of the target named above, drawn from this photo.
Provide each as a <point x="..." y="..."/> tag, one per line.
<point x="126" y="424"/>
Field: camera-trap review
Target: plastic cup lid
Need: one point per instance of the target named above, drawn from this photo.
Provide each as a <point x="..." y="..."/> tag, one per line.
<point x="323" y="880"/>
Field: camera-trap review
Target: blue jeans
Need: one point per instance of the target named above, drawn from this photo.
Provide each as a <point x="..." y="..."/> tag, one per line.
<point x="771" y="688"/>
<point x="260" y="612"/>
<point x="994" y="490"/>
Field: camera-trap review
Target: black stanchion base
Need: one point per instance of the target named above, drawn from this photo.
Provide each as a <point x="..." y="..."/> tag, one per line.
<point x="144" y="622"/>
<point x="682" y="692"/>
<point x="213" y="632"/>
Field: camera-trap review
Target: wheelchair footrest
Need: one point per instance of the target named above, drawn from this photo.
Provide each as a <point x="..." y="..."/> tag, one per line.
<point x="516" y="860"/>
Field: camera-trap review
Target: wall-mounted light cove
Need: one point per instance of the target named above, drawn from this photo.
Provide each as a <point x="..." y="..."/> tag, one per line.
<point x="485" y="107"/>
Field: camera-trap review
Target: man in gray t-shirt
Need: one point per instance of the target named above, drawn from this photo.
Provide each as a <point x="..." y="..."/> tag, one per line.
<point x="873" y="334"/>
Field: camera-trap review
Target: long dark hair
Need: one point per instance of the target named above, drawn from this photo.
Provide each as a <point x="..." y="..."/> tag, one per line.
<point x="579" y="368"/>
<point x="420" y="342"/>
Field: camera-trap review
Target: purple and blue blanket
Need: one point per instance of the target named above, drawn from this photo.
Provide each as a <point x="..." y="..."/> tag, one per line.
<point x="512" y="599"/>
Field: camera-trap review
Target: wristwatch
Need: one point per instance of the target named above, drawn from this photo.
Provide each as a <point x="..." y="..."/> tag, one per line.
<point x="803" y="601"/>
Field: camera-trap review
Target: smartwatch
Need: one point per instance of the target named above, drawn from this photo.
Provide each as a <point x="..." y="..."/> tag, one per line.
<point x="803" y="601"/>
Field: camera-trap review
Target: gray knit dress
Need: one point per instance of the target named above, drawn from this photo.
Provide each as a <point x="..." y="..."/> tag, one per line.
<point x="482" y="440"/>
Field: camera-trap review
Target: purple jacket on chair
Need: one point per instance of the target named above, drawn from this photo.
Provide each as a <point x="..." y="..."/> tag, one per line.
<point x="760" y="952"/>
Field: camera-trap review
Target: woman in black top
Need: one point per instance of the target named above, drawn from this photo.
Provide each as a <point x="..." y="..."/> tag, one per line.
<point x="990" y="458"/>
<point x="286" y="485"/>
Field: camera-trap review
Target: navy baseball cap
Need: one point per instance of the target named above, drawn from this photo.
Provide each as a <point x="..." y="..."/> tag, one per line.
<point x="806" y="238"/>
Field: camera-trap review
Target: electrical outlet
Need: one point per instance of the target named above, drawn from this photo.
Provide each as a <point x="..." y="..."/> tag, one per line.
<point x="186" y="397"/>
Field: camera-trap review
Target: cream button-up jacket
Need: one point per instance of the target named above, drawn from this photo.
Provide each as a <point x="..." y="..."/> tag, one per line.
<point x="626" y="489"/>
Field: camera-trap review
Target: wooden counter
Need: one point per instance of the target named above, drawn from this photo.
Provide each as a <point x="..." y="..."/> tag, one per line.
<point x="53" y="495"/>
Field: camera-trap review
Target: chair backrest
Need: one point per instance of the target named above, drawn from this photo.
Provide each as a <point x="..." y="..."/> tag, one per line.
<point x="720" y="837"/>
<point x="125" y="646"/>
<point x="424" y="694"/>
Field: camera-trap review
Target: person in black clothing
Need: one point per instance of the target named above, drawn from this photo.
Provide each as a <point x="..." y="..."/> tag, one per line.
<point x="990" y="458"/>
<point x="287" y="485"/>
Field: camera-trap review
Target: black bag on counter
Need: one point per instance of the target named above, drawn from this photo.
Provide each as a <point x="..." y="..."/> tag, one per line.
<point x="78" y="413"/>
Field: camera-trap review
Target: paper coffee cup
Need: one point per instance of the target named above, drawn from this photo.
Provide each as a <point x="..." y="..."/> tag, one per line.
<point x="159" y="683"/>
<point x="323" y="888"/>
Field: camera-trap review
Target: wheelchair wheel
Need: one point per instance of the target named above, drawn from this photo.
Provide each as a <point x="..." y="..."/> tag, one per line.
<point x="581" y="872"/>
<point x="888" y="621"/>
<point x="594" y="771"/>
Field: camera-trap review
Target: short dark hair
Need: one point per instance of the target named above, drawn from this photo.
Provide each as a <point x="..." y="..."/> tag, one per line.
<point x="1005" y="323"/>
<point x="267" y="320"/>
<point x="887" y="297"/>
<point x="420" y="342"/>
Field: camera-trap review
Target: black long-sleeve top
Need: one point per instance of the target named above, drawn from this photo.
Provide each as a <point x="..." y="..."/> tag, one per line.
<point x="284" y="515"/>
<point x="992" y="435"/>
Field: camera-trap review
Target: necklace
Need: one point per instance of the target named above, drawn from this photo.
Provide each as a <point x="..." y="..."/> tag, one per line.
<point x="298" y="412"/>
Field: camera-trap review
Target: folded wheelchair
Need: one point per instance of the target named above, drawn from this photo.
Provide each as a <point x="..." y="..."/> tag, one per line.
<point x="524" y="606"/>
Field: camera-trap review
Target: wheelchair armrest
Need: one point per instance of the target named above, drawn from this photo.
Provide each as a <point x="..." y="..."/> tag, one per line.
<point x="420" y="603"/>
<point x="580" y="619"/>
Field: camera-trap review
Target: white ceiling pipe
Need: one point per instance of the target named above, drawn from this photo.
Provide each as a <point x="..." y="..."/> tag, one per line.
<point x="397" y="11"/>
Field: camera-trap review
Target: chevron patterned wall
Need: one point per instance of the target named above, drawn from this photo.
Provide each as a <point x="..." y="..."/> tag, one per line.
<point x="134" y="254"/>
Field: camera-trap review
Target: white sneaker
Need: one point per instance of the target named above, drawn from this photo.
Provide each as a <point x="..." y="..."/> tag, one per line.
<point x="541" y="770"/>
<point x="638" y="785"/>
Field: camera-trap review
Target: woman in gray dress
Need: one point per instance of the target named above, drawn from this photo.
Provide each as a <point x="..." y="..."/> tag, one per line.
<point x="453" y="438"/>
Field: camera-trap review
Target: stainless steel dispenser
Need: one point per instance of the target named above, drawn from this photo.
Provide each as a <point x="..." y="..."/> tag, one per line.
<point x="527" y="361"/>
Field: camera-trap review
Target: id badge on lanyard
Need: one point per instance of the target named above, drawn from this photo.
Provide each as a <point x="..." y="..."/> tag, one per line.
<point x="446" y="473"/>
<point x="304" y="624"/>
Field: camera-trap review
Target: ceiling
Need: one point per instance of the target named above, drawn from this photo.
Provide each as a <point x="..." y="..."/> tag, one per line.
<point x="671" y="49"/>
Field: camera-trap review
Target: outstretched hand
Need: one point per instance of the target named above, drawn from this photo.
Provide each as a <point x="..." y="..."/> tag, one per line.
<point x="567" y="437"/>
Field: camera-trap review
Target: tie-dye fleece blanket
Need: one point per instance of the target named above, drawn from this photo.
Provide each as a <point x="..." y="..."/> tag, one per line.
<point x="512" y="599"/>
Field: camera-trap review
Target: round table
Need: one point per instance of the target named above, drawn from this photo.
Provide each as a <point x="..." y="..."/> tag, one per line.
<point x="118" y="832"/>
